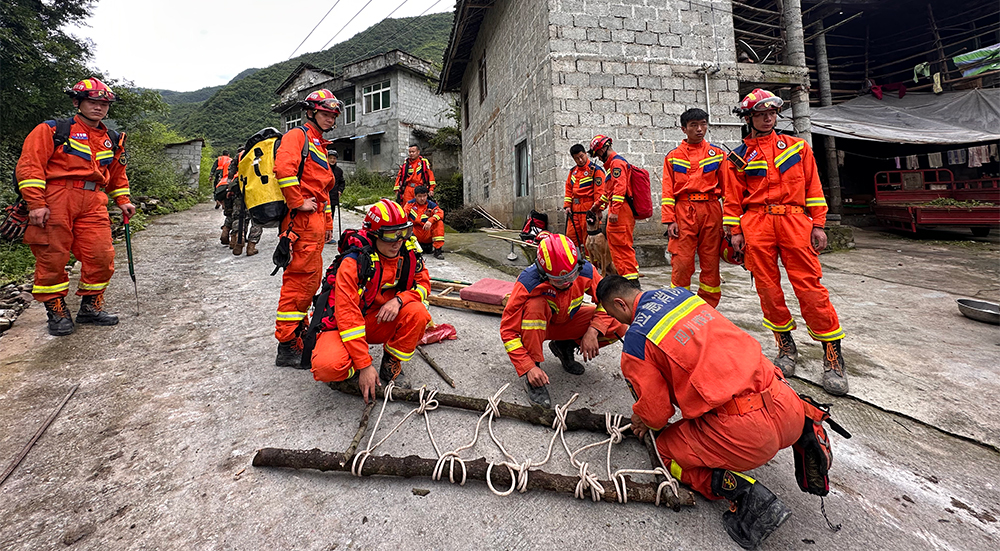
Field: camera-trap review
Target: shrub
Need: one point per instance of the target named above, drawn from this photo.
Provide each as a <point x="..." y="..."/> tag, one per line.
<point x="449" y="193"/>
<point x="365" y="187"/>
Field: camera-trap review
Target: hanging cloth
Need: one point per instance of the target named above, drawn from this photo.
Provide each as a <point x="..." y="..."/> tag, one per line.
<point x="897" y="164"/>
<point x="937" y="89"/>
<point x="912" y="162"/>
<point x="974" y="160"/>
<point x="994" y="152"/>
<point x="921" y="70"/>
<point x="934" y="160"/>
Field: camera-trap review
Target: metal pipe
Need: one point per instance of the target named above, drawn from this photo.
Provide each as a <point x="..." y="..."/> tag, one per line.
<point x="708" y="97"/>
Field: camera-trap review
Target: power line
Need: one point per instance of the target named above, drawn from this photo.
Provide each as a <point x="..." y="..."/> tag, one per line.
<point x="346" y="24"/>
<point x="314" y="29"/>
<point x="406" y="28"/>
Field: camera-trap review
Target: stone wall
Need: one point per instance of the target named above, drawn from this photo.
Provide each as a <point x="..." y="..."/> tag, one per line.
<point x="187" y="158"/>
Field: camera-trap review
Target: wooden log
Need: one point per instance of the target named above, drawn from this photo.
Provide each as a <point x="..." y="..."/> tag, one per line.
<point x="413" y="466"/>
<point x="362" y="428"/>
<point x="576" y="419"/>
<point x="435" y="366"/>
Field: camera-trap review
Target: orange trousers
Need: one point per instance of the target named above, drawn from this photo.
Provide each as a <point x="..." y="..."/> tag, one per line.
<point x="576" y="230"/>
<point x="691" y="448"/>
<point x="78" y="224"/>
<point x="303" y="274"/>
<point x="331" y="361"/>
<point x="537" y="308"/>
<point x="620" y="241"/>
<point x="700" y="226"/>
<point x="769" y="236"/>
<point x="435" y="235"/>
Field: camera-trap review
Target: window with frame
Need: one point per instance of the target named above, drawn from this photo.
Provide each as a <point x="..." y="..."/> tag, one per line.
<point x="376" y="97"/>
<point x="482" y="78"/>
<point x="521" y="185"/>
<point x="350" y="111"/>
<point x="291" y="121"/>
<point x="376" y="146"/>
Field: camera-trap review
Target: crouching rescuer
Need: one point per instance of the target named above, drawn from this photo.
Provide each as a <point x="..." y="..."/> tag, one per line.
<point x="374" y="294"/>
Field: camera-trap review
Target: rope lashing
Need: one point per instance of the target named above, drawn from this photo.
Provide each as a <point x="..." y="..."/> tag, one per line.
<point x="492" y="409"/>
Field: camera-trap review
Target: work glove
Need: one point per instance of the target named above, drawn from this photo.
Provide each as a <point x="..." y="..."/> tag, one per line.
<point x="14" y="221"/>
<point x="282" y="256"/>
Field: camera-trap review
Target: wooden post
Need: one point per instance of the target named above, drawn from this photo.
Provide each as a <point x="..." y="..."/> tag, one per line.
<point x="942" y="63"/>
<point x="826" y="99"/>
<point x="795" y="55"/>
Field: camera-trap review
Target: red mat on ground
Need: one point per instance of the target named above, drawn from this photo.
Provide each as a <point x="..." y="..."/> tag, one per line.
<point x="487" y="291"/>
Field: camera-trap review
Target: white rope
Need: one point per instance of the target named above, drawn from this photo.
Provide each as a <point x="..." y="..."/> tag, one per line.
<point x="455" y="455"/>
<point x="427" y="403"/>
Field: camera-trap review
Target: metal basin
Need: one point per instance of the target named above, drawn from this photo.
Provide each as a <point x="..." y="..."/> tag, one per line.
<point x="986" y="312"/>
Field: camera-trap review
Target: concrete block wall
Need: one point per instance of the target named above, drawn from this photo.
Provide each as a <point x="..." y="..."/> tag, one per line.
<point x="187" y="160"/>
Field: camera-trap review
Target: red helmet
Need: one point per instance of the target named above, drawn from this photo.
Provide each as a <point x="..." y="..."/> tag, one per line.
<point x="388" y="222"/>
<point x="92" y="89"/>
<point x="597" y="143"/>
<point x="557" y="258"/>
<point x="323" y="100"/>
<point x="759" y="100"/>
<point x="728" y="252"/>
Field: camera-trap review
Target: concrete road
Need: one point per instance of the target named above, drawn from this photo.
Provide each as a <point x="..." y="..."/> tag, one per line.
<point x="153" y="451"/>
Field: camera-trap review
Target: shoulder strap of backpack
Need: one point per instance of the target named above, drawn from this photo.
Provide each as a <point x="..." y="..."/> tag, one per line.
<point x="114" y="136"/>
<point x="63" y="127"/>
<point x="305" y="151"/>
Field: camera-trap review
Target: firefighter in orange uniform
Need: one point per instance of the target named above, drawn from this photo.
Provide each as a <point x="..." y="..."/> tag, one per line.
<point x="307" y="191"/>
<point x="547" y="305"/>
<point x="428" y="221"/>
<point x="621" y="221"/>
<point x="66" y="188"/>
<point x="690" y="207"/>
<point x="737" y="411"/>
<point x="584" y="187"/>
<point x="775" y="207"/>
<point x="219" y="176"/>
<point x="416" y="171"/>
<point x="381" y="303"/>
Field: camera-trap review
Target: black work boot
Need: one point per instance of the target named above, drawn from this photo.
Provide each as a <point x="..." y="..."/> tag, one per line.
<point x="392" y="370"/>
<point x="224" y="238"/>
<point x="60" y="322"/>
<point x="834" y="373"/>
<point x="788" y="353"/>
<point x="438" y="254"/>
<point x="289" y="355"/>
<point x="92" y="311"/>
<point x="755" y="512"/>
<point x="564" y="351"/>
<point x="537" y="395"/>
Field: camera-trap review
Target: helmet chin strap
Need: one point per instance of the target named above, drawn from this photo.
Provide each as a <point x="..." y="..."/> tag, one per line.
<point x="312" y="119"/>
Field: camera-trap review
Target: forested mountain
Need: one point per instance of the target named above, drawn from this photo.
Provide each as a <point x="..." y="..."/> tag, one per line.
<point x="237" y="110"/>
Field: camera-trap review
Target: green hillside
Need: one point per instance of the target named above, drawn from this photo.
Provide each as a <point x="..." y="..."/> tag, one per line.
<point x="177" y="98"/>
<point x="240" y="108"/>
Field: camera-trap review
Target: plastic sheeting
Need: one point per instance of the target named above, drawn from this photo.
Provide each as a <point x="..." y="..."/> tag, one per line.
<point x="967" y="116"/>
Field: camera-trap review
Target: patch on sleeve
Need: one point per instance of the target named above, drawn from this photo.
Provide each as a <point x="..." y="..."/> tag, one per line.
<point x="616" y="172"/>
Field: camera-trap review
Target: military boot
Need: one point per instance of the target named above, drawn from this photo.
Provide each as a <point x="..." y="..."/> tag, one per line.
<point x="788" y="353"/>
<point x="537" y="395"/>
<point x="224" y="238"/>
<point x="564" y="351"/>
<point x="392" y="370"/>
<point x="438" y="254"/>
<point x="237" y="245"/>
<point x="252" y="248"/>
<point x="60" y="322"/>
<point x="754" y="511"/>
<point x="289" y="354"/>
<point x="92" y="311"/>
<point x="834" y="373"/>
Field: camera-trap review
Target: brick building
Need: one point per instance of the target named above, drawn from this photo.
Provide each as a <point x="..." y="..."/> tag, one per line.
<point x="390" y="102"/>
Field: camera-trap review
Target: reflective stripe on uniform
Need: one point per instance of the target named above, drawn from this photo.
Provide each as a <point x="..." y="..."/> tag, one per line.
<point x="119" y="192"/>
<point x="399" y="354"/>
<point x="668" y="201"/>
<point x="617" y="198"/>
<point x="540" y="325"/>
<point x="779" y="328"/>
<point x="631" y="276"/>
<point x="709" y="288"/>
<point x="31" y="183"/>
<point x="290" y="316"/>
<point x="41" y="289"/>
<point x="675" y="470"/>
<point x="289" y="181"/>
<point x="512" y="345"/>
<point x="352" y="333"/>
<point x="663" y="326"/>
<point x="815" y="201"/>
<point x="730" y="221"/>
<point x="93" y="286"/>
<point x="834" y="335"/>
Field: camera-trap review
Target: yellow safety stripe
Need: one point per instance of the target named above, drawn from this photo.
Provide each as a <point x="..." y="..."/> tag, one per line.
<point x="834" y="335"/>
<point x="432" y="183"/>
<point x="290" y="316"/>
<point x="512" y="345"/>
<point x="93" y="286"/>
<point x="585" y="179"/>
<point x="675" y="470"/>
<point x="663" y="326"/>
<point x="710" y="160"/>
<point x="617" y="198"/>
<point x="743" y="476"/>
<point x="631" y="276"/>
<point x="438" y="239"/>
<point x="681" y="162"/>
<point x="119" y="192"/>
<point x="50" y="288"/>
<point x="730" y="221"/>
<point x="672" y="286"/>
<point x="668" y="201"/>
<point x="327" y="209"/>
<point x="788" y="153"/>
<point x="399" y="354"/>
<point x="567" y="199"/>
<point x="101" y="155"/>
<point x="31" y="183"/>
<point x="756" y="165"/>
<point x="576" y="302"/>
<point x="422" y="292"/>
<point x="289" y="181"/>
<point x="779" y="328"/>
<point x="314" y="149"/>
<point x="540" y="325"/>
<point x="604" y="199"/>
<point x="81" y="147"/>
<point x="815" y="201"/>
<point x="352" y="333"/>
<point x="709" y="288"/>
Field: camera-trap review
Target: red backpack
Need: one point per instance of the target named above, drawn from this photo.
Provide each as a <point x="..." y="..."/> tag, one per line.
<point x="641" y="199"/>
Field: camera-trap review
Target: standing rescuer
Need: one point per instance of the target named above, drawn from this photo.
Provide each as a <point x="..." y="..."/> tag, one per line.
<point x="775" y="207"/>
<point x="306" y="186"/>
<point x="690" y="207"/>
<point x="584" y="188"/>
<point x="428" y="221"/>
<point x="621" y="221"/>
<point x="416" y="171"/>
<point x="67" y="189"/>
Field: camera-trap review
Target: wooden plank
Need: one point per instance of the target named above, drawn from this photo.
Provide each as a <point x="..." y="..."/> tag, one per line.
<point x="449" y="302"/>
<point x="444" y="292"/>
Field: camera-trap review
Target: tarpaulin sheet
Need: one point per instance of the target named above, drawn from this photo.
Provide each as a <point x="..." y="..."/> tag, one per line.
<point x="966" y="116"/>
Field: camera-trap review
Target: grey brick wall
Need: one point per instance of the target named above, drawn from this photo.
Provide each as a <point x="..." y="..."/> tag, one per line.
<point x="187" y="160"/>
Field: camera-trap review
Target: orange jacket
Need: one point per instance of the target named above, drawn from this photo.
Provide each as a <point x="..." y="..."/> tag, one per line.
<point x="86" y="156"/>
<point x="347" y="301"/>
<point x="584" y="187"/>
<point x="691" y="169"/>
<point x="681" y="352"/>
<point x="222" y="166"/>
<point x="616" y="183"/>
<point x="564" y="304"/>
<point x="415" y="173"/>
<point x="781" y="170"/>
<point x="317" y="178"/>
<point x="421" y="213"/>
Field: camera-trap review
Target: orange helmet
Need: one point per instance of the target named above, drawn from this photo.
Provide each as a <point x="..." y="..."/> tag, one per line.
<point x="557" y="258"/>
<point x="758" y="100"/>
<point x="597" y="143"/>
<point x="728" y="252"/>
<point x="92" y="89"/>
<point x="323" y="100"/>
<point x="388" y="222"/>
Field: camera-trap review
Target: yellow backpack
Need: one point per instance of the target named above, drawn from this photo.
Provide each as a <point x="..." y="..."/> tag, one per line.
<point x="258" y="182"/>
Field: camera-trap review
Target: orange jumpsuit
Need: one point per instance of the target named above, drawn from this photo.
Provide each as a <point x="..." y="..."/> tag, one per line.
<point x="413" y="174"/>
<point x="737" y="411"/>
<point x="620" y="233"/>
<point x="692" y="185"/>
<point x="775" y="202"/>
<point x="421" y="214"/>
<point x="584" y="187"/>
<point x="74" y="181"/>
<point x="302" y="276"/>
<point x="537" y="312"/>
<point x="342" y="350"/>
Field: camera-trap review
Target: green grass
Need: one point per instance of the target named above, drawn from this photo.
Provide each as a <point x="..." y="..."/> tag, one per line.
<point x="365" y="187"/>
<point x="16" y="262"/>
